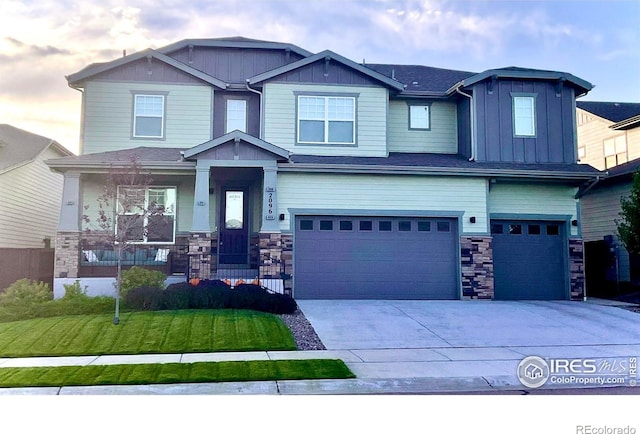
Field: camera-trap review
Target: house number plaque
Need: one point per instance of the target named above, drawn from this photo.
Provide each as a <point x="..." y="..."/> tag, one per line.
<point x="270" y="215"/>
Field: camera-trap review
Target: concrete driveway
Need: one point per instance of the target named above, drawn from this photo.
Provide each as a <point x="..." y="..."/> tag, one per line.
<point x="381" y="324"/>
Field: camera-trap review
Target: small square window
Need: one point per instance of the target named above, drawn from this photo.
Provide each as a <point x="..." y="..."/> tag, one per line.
<point x="444" y="227"/>
<point x="497" y="229"/>
<point x="384" y="226"/>
<point x="326" y="225"/>
<point x="419" y="118"/>
<point x="366" y="225"/>
<point x="424" y="226"/>
<point x="515" y="229"/>
<point x="404" y="226"/>
<point x="346" y="225"/>
<point x="533" y="229"/>
<point x="553" y="230"/>
<point x="306" y="225"/>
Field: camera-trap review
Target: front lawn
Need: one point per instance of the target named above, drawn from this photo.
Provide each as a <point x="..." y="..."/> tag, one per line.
<point x="181" y="331"/>
<point x="172" y="373"/>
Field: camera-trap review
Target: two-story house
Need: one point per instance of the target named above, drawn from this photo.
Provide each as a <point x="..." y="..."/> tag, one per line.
<point x="608" y="139"/>
<point x="360" y="181"/>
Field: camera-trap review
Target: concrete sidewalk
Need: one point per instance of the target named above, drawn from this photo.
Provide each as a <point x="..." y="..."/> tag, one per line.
<point x="378" y="371"/>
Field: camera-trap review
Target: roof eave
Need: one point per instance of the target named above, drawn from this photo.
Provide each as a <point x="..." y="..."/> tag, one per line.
<point x="584" y="85"/>
<point x="234" y="44"/>
<point x="626" y="124"/>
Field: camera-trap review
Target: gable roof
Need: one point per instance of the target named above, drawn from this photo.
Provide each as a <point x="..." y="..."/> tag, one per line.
<point x="422" y="79"/>
<point x="75" y="80"/>
<point x="327" y="54"/>
<point x="236" y="135"/>
<point x="234" y="42"/>
<point x="18" y="147"/>
<point x="583" y="86"/>
<point x="612" y="111"/>
<point x="148" y="157"/>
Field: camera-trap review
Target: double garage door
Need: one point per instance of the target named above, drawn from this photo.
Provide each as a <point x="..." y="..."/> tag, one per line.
<point x="376" y="258"/>
<point x="529" y="260"/>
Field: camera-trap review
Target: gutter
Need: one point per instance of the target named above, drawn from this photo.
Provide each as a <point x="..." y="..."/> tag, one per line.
<point x="581" y="192"/>
<point x="250" y="89"/>
<point x="472" y="119"/>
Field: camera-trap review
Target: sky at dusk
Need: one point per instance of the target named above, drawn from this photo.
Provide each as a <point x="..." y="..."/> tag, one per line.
<point x="42" y="41"/>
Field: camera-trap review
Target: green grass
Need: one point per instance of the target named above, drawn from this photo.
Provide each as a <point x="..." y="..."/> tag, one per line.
<point x="172" y="373"/>
<point x="182" y="331"/>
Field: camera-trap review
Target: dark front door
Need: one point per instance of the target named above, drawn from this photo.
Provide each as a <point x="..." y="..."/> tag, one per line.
<point x="234" y="234"/>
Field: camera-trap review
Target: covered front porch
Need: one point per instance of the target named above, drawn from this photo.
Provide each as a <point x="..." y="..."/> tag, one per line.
<point x="221" y="198"/>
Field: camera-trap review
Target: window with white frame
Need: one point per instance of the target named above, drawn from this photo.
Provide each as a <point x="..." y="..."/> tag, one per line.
<point x="148" y="116"/>
<point x="419" y="117"/>
<point x="615" y="151"/>
<point x="236" y="115"/>
<point x="326" y="120"/>
<point x="524" y="116"/>
<point x="147" y="214"/>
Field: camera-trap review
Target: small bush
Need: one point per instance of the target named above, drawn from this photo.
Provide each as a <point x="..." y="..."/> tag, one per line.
<point x="210" y="294"/>
<point x="25" y="292"/>
<point x="176" y="296"/>
<point x="74" y="291"/>
<point x="144" y="298"/>
<point x="249" y="296"/>
<point x="136" y="277"/>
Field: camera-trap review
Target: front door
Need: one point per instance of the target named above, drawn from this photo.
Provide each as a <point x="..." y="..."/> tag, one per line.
<point x="233" y="244"/>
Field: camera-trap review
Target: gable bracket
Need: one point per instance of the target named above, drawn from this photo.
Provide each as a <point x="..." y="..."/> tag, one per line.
<point x="149" y="58"/>
<point x="559" y="86"/>
<point x="326" y="66"/>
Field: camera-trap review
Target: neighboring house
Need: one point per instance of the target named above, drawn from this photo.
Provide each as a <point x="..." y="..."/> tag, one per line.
<point x="608" y="138"/>
<point x="30" y="196"/>
<point x="360" y="181"/>
<point x="30" y="193"/>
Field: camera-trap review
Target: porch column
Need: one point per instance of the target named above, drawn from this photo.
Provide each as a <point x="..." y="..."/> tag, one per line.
<point x="200" y="221"/>
<point x="67" y="246"/>
<point x="200" y="236"/>
<point x="270" y="200"/>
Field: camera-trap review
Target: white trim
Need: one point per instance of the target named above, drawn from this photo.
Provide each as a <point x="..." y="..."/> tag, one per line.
<point x="136" y="115"/>
<point x="327" y="120"/>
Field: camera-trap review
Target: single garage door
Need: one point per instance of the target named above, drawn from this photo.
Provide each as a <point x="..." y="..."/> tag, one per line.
<point x="375" y="258"/>
<point x="529" y="260"/>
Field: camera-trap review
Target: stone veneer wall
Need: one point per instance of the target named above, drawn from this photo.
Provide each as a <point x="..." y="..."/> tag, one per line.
<point x="276" y="256"/>
<point x="576" y="268"/>
<point x="200" y="255"/>
<point x="67" y="254"/>
<point x="477" y="267"/>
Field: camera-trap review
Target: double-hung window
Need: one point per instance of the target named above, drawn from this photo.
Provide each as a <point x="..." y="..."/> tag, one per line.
<point x="615" y="151"/>
<point x="148" y="116"/>
<point x="327" y="120"/>
<point x="146" y="214"/>
<point x="524" y="115"/>
<point x="236" y="115"/>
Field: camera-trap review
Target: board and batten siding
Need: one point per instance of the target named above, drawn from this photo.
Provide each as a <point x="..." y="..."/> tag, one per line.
<point x="442" y="137"/>
<point x="384" y="193"/>
<point x="534" y="200"/>
<point x="108" y="116"/>
<point x="30" y="198"/>
<point x="371" y="119"/>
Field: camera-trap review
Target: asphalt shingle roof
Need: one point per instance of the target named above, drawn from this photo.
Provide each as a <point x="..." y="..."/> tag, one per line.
<point x="613" y="111"/>
<point x="418" y="78"/>
<point x="19" y="146"/>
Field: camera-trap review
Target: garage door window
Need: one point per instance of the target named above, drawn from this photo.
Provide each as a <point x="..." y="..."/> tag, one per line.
<point x="404" y="226"/>
<point x="444" y="227"/>
<point x="346" y="225"/>
<point x="326" y="225"/>
<point x="366" y="225"/>
<point x="424" y="226"/>
<point x="306" y="225"/>
<point x="515" y="229"/>
<point x="497" y="229"/>
<point x="553" y="230"/>
<point x="384" y="226"/>
<point x="534" y="229"/>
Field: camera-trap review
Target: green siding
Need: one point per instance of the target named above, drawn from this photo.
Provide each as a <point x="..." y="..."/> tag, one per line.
<point x="441" y="138"/>
<point x="384" y="193"/>
<point x="371" y="123"/>
<point x="532" y="199"/>
<point x="108" y="111"/>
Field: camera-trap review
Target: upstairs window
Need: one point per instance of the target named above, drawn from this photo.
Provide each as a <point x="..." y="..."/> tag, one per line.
<point x="148" y="119"/>
<point x="236" y="115"/>
<point x="136" y="220"/>
<point x="615" y="151"/>
<point x="419" y="117"/>
<point x="326" y="120"/>
<point x="524" y="115"/>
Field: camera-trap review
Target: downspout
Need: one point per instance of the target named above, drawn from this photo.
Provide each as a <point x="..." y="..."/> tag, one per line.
<point x="579" y="194"/>
<point x="472" y="119"/>
<point x="250" y="89"/>
<point x="81" y="138"/>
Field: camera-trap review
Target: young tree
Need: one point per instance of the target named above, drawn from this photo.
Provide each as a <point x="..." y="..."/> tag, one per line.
<point x="629" y="226"/>
<point x="124" y="216"/>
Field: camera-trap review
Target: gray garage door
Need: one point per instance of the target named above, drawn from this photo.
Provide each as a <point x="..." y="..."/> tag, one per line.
<point x="375" y="258"/>
<point x="529" y="260"/>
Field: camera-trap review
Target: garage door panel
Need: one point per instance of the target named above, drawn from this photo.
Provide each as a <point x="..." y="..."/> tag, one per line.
<point x="385" y="258"/>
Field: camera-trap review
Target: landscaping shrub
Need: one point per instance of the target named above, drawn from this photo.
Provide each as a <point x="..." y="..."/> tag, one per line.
<point x="136" y="277"/>
<point x="144" y="298"/>
<point x="176" y="296"/>
<point x="210" y="294"/>
<point x="249" y="296"/>
<point x="25" y="292"/>
<point x="74" y="291"/>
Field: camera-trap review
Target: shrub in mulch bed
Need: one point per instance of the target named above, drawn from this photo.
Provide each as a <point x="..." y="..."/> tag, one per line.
<point x="209" y="294"/>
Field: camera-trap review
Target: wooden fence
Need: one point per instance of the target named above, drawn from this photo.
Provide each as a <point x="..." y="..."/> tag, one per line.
<point x="34" y="264"/>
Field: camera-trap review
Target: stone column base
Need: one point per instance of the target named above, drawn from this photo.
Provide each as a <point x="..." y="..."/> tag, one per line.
<point x="477" y="267"/>
<point x="67" y="254"/>
<point x="276" y="257"/>
<point x="576" y="268"/>
<point x="200" y="255"/>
